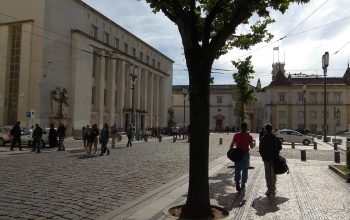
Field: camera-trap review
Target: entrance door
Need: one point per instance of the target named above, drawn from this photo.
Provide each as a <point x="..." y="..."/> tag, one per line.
<point x="218" y="124"/>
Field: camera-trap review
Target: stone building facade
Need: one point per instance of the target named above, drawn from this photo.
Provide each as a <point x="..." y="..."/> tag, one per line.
<point x="297" y="101"/>
<point x="65" y="61"/>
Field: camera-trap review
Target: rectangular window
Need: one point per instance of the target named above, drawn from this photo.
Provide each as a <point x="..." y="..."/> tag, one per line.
<point x="93" y="95"/>
<point x="281" y="114"/>
<point x="337" y="98"/>
<point x="147" y="59"/>
<point x="94" y="31"/>
<point x="116" y="43"/>
<point x="159" y="65"/>
<point x="141" y="56"/>
<point x="126" y="48"/>
<point x="219" y="99"/>
<point x="133" y="52"/>
<point x="105" y="92"/>
<point x="94" y="64"/>
<point x="106" y="38"/>
<point x="281" y="97"/>
<point x="153" y="62"/>
<point x="301" y="97"/>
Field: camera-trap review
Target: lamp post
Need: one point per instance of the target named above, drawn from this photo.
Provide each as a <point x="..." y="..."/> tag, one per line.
<point x="133" y="76"/>
<point x="184" y="92"/>
<point x="325" y="63"/>
<point x="304" y="100"/>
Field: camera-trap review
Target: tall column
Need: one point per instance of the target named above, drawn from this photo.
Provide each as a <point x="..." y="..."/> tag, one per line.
<point x="100" y="89"/>
<point x="138" y="97"/>
<point x="112" y="86"/>
<point x="121" y="92"/>
<point x="4" y="41"/>
<point x="151" y="98"/>
<point x="161" y="102"/>
<point x="156" y="100"/>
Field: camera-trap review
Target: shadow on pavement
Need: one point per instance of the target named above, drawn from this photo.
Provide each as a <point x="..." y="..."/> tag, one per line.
<point x="264" y="205"/>
<point x="85" y="156"/>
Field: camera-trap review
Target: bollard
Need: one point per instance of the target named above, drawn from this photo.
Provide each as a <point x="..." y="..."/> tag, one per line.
<point x="220" y="141"/>
<point x="146" y="138"/>
<point x="303" y="155"/>
<point x="293" y="145"/>
<point x="160" y="138"/>
<point x="315" y="145"/>
<point x="335" y="146"/>
<point x="337" y="156"/>
<point x="174" y="139"/>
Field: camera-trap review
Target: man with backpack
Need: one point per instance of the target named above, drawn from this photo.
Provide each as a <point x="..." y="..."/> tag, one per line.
<point x="37" y="135"/>
<point x="269" y="149"/>
<point x="16" y="136"/>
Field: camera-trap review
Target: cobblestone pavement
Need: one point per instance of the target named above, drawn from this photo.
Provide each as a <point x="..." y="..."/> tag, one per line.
<point x="72" y="185"/>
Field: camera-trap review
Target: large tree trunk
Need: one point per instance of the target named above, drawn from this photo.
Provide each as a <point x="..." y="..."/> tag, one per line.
<point x="198" y="203"/>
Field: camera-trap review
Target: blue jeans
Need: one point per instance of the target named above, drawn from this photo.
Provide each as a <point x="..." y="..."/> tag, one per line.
<point x="241" y="168"/>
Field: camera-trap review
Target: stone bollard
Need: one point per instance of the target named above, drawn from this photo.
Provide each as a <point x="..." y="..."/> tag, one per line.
<point x="293" y="145"/>
<point x="335" y="145"/>
<point x="174" y="139"/>
<point x="220" y="141"/>
<point x="337" y="156"/>
<point x="160" y="138"/>
<point x="315" y="145"/>
<point x="303" y="155"/>
<point x="145" y="138"/>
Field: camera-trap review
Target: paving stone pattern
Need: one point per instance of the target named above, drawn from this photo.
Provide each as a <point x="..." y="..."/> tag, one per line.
<point x="72" y="185"/>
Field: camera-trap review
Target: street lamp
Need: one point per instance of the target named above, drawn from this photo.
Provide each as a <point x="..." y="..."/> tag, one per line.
<point x="304" y="100"/>
<point x="184" y="92"/>
<point x="325" y="63"/>
<point x="133" y="76"/>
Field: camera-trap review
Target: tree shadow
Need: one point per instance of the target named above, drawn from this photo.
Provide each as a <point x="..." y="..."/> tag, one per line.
<point x="222" y="189"/>
<point x="264" y="205"/>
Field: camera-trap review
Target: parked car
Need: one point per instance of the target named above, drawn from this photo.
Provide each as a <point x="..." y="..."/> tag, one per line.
<point x="288" y="135"/>
<point x="5" y="136"/>
<point x="27" y="139"/>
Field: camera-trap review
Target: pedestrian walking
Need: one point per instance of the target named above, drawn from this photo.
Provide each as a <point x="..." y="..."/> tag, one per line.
<point x="269" y="149"/>
<point x="244" y="141"/>
<point x="130" y="133"/>
<point x="114" y="133"/>
<point x="104" y="139"/>
<point x="52" y="136"/>
<point x="94" y="136"/>
<point x="16" y="136"/>
<point x="61" y="134"/>
<point x="37" y="135"/>
<point x="85" y="136"/>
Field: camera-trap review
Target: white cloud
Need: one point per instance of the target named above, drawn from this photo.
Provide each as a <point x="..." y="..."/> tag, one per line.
<point x="302" y="51"/>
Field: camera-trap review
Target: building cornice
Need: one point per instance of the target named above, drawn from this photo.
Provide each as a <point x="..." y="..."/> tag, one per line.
<point x="17" y="22"/>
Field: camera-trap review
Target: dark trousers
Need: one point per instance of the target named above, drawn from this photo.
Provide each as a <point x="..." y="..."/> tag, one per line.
<point x="129" y="141"/>
<point x="104" y="147"/>
<point x="36" y="144"/>
<point x="16" y="141"/>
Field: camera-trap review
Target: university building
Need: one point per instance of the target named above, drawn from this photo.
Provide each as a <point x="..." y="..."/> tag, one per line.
<point x="65" y="61"/>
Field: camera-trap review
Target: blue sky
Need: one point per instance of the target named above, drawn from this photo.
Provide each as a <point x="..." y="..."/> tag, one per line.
<point x="311" y="29"/>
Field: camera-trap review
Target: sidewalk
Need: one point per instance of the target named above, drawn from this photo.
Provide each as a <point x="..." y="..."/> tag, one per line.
<point x="309" y="191"/>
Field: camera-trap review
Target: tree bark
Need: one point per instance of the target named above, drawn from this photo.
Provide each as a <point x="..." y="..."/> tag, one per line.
<point x="198" y="202"/>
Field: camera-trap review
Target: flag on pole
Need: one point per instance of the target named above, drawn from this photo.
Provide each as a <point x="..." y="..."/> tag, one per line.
<point x="276" y="48"/>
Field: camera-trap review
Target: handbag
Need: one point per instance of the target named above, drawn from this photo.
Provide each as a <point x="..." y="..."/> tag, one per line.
<point x="235" y="154"/>
<point x="280" y="165"/>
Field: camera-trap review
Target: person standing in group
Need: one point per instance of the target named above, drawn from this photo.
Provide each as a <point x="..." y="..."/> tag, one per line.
<point x="94" y="136"/>
<point x="130" y="133"/>
<point x="85" y="136"/>
<point x="114" y="134"/>
<point x="104" y="139"/>
<point x="52" y="136"/>
<point x="261" y="133"/>
<point x="37" y="135"/>
<point x="16" y="136"/>
<point x="269" y="149"/>
<point x="244" y="141"/>
<point x="61" y="134"/>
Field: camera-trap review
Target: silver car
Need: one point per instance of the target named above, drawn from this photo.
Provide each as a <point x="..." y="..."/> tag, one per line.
<point x="288" y="135"/>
